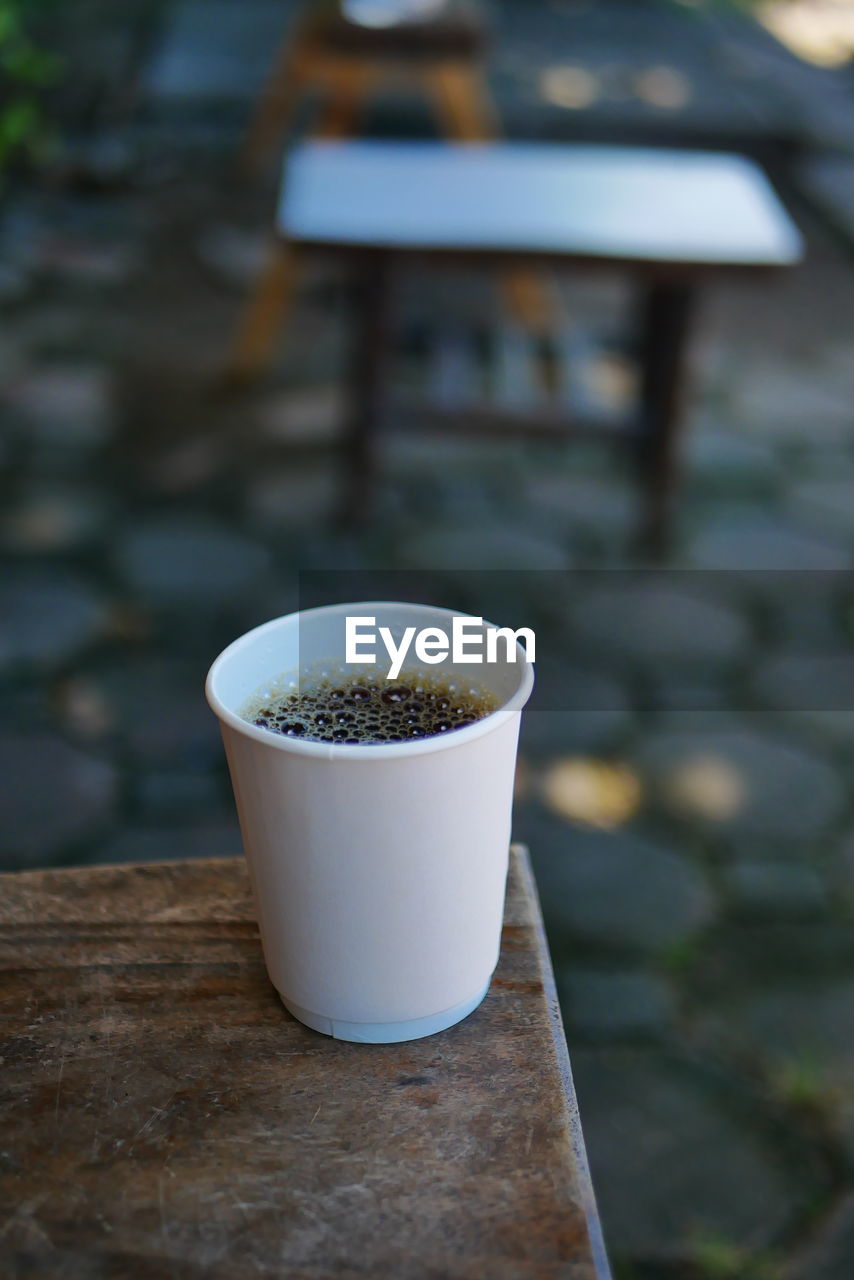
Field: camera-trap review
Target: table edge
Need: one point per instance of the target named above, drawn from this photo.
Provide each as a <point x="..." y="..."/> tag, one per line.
<point x="500" y="255"/>
<point x="591" y="1211"/>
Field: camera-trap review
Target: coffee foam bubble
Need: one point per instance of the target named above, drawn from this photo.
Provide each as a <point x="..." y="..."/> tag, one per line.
<point x="329" y="704"/>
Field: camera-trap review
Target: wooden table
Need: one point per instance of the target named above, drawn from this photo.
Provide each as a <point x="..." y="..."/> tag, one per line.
<point x="164" y="1116"/>
<point x="669" y="221"/>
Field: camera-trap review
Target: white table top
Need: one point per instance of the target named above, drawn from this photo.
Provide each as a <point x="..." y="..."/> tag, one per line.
<point x="627" y="203"/>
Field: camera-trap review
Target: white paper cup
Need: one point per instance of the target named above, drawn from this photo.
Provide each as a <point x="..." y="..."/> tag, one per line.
<point x="378" y="869"/>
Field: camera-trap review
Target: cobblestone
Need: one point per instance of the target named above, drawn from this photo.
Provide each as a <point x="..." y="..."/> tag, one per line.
<point x="775" y="889"/>
<point x="808" y="682"/>
<point x="583" y="710"/>
<point x="466" y="548"/>
<point x="763" y="542"/>
<point x="89" y="262"/>
<point x="825" y="505"/>
<point x="803" y="1031"/>
<point x="164" y="795"/>
<point x="805" y="611"/>
<point x="672" y="1162"/>
<point x="731" y="462"/>
<point x="777" y="791"/>
<point x="830" y="1253"/>
<point x="188" y="467"/>
<point x="843" y="873"/>
<point x="172" y="843"/>
<point x="14" y="283"/>
<point x="605" y="1006"/>
<point x="313" y="416"/>
<point x="616" y="890"/>
<point x="179" y="561"/>
<point x="159" y="713"/>
<point x="51" y="332"/>
<point x="777" y="403"/>
<point x="53" y="796"/>
<point x="651" y="622"/>
<point x="604" y="508"/>
<point x="294" y="498"/>
<point x="48" y="618"/>
<point x="235" y="255"/>
<point x="817" y="691"/>
<point x="676" y="691"/>
<point x="826" y="463"/>
<point x="66" y="407"/>
<point x="50" y="518"/>
<point x="427" y="454"/>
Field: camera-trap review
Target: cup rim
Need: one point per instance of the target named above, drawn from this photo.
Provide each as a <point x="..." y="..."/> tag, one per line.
<point x="363" y="752"/>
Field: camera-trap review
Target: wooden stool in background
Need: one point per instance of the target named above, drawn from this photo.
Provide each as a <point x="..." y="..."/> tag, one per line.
<point x="346" y="63"/>
<point x="442" y="56"/>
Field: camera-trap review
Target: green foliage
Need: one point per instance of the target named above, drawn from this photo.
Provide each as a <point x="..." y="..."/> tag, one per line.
<point x="26" y="70"/>
<point x="800" y="1082"/>
<point x="718" y="1259"/>
<point x="682" y="956"/>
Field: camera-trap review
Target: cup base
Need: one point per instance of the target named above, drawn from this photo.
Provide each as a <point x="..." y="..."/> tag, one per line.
<point x="385" y="1032"/>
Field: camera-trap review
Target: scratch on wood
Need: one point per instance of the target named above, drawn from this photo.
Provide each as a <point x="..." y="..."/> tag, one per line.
<point x="163" y="1230"/>
<point x="156" y="1113"/>
<point x="26" y="1212"/>
<point x="316" y="1114"/>
<point x="59" y="1085"/>
<point x="238" y="1204"/>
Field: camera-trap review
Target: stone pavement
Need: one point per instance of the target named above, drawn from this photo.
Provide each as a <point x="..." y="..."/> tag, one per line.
<point x="646" y="69"/>
<point x="686" y="765"/>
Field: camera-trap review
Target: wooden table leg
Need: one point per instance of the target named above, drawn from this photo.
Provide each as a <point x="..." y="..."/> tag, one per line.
<point x="530" y="300"/>
<point x="348" y="84"/>
<point x="462" y="101"/>
<point x="666" y="313"/>
<point x="263" y="316"/>
<point x="364" y="409"/>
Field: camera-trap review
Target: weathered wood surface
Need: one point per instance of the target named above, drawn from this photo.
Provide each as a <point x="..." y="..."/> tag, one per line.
<point x="162" y="1115"/>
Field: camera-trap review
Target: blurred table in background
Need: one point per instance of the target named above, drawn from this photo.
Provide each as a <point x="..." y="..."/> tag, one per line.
<point x="164" y="1114"/>
<point x="671" y="222"/>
